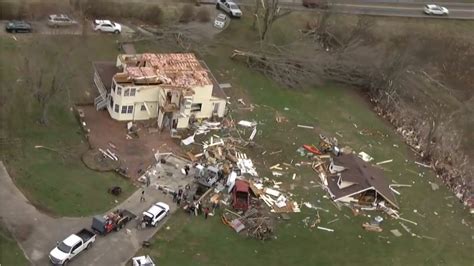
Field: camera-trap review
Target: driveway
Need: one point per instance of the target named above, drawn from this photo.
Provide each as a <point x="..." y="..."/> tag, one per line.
<point x="37" y="233"/>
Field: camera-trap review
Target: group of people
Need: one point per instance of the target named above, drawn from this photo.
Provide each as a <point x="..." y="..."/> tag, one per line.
<point x="194" y="206"/>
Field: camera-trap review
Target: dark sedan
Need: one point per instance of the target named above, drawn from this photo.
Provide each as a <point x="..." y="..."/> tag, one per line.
<point x="18" y="26"/>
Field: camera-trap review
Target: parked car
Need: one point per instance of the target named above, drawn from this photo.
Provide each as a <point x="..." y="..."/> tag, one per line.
<point x="71" y="246"/>
<point x="315" y="4"/>
<point x="112" y="221"/>
<point x="436" y="10"/>
<point x="220" y="21"/>
<point x="18" y="26"/>
<point x="60" y="20"/>
<point x="107" y="26"/>
<point x="229" y="7"/>
<point x="156" y="213"/>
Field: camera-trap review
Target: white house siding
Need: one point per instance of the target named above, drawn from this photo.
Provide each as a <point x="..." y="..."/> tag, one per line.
<point x="221" y="108"/>
<point x="143" y="114"/>
<point x="203" y="96"/>
<point x="143" y="94"/>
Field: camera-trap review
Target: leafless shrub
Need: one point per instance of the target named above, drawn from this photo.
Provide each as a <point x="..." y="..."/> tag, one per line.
<point x="203" y="15"/>
<point x="10" y="10"/>
<point x="148" y="13"/>
<point x="187" y="14"/>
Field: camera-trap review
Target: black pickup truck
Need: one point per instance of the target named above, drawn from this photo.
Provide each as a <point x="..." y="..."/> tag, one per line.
<point x="115" y="220"/>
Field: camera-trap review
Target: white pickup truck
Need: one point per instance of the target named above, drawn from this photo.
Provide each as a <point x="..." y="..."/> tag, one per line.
<point x="71" y="246"/>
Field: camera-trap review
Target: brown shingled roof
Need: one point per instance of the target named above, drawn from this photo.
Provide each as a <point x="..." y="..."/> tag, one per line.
<point x="364" y="175"/>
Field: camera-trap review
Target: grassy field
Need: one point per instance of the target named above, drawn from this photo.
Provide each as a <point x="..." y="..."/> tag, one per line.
<point x="193" y="241"/>
<point x="10" y="253"/>
<point x="443" y="238"/>
<point x="56" y="182"/>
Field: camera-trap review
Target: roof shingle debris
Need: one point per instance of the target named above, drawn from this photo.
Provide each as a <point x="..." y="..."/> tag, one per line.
<point x="175" y="70"/>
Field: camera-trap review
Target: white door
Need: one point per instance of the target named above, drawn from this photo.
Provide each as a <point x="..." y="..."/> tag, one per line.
<point x="107" y="28"/>
<point x="76" y="249"/>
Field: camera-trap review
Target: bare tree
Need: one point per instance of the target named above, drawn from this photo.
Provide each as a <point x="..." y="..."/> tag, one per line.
<point x="271" y="12"/>
<point x="45" y="75"/>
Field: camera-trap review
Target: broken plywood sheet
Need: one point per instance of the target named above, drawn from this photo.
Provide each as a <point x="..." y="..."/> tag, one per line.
<point x="246" y="123"/>
<point x="255" y="190"/>
<point x="272" y="192"/>
<point x="237" y="225"/>
<point x="396" y="233"/>
<point x="364" y="156"/>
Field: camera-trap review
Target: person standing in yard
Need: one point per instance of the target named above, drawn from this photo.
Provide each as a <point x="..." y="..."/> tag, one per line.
<point x="147" y="181"/>
<point x="196" y="208"/>
<point x="142" y="197"/>
<point x="175" y="196"/>
<point x="186" y="170"/>
<point x="206" y="212"/>
<point x="178" y="200"/>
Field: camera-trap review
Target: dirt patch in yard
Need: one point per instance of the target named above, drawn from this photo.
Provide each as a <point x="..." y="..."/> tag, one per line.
<point x="135" y="154"/>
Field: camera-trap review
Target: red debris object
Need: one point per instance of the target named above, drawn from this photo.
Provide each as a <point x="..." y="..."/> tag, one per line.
<point x="241" y="195"/>
<point x="312" y="149"/>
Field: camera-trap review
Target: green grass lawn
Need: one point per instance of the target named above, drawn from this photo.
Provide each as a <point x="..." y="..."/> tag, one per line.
<point x="193" y="241"/>
<point x="10" y="253"/>
<point x="330" y="108"/>
<point x="57" y="182"/>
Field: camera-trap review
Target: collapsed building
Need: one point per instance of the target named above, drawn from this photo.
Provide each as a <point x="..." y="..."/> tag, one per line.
<point x="352" y="180"/>
<point x="174" y="88"/>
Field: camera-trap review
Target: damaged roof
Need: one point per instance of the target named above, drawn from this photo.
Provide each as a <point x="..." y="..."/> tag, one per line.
<point x="182" y="70"/>
<point x="365" y="177"/>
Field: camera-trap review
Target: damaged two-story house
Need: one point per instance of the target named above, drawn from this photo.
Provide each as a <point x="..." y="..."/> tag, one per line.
<point x="172" y="88"/>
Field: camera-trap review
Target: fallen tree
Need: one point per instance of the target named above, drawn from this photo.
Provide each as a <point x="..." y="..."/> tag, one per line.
<point x="409" y="94"/>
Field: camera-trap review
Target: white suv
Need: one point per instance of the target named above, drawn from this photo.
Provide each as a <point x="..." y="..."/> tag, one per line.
<point x="229" y="7"/>
<point x="156" y="213"/>
<point x="107" y="26"/>
<point x="436" y="10"/>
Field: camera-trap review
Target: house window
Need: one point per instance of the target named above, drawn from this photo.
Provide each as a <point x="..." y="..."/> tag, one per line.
<point x="111" y="102"/>
<point x="126" y="92"/>
<point x="124" y="109"/>
<point x="113" y="86"/>
<point x="196" y="107"/>
<point x="130" y="109"/>
<point x="132" y="92"/>
<point x="119" y="90"/>
<point x="143" y="108"/>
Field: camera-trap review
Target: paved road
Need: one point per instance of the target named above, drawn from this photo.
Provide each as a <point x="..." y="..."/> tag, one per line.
<point x="403" y="10"/>
<point x="393" y="8"/>
<point x="37" y="233"/>
<point x="41" y="27"/>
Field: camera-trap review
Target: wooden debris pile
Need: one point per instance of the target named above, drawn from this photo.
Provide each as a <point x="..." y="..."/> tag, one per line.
<point x="253" y="222"/>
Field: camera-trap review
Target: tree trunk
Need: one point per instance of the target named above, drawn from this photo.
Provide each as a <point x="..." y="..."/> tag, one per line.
<point x="255" y="13"/>
<point x="44" y="113"/>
